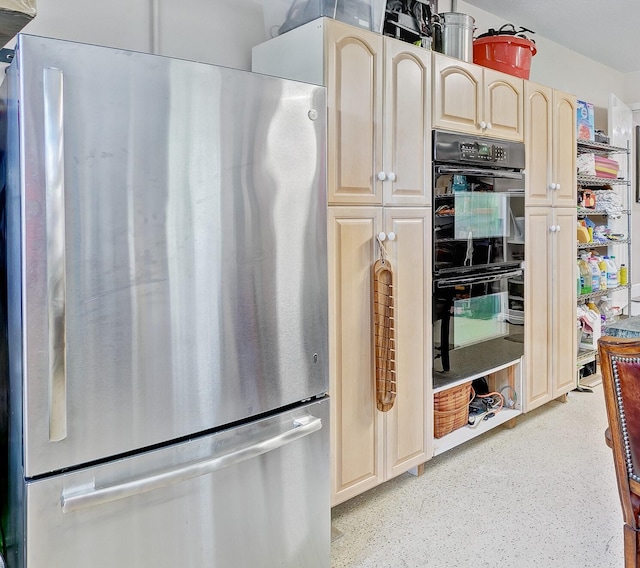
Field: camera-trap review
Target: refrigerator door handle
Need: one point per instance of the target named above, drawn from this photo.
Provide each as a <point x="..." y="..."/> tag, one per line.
<point x="55" y="250"/>
<point x="83" y="499"/>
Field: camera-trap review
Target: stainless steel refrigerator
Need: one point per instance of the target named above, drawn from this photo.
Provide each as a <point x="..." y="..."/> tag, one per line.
<point x="167" y="313"/>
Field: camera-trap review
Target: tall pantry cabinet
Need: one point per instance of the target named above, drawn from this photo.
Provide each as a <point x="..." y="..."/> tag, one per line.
<point x="379" y="185"/>
<point x="550" y="244"/>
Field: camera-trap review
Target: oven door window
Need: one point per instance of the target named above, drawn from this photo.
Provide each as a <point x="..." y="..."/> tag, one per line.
<point x="480" y="215"/>
<point x="473" y="219"/>
<point x="478" y="318"/>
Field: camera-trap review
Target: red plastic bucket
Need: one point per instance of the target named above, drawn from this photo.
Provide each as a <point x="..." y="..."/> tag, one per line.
<point x="506" y="53"/>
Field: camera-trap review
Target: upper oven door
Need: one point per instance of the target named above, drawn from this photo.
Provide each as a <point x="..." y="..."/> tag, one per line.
<point x="474" y="218"/>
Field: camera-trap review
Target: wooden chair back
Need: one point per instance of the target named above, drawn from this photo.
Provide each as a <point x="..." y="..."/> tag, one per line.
<point x="620" y="368"/>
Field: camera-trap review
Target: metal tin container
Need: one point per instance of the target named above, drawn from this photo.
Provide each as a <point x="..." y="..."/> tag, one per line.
<point x="453" y="33"/>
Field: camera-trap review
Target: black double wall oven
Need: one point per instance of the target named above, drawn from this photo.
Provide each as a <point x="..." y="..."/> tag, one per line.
<point x="478" y="255"/>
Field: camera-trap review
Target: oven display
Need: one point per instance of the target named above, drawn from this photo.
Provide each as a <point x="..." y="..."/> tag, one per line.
<point x="482" y="152"/>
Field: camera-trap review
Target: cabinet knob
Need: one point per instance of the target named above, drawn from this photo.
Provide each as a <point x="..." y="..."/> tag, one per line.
<point x="382" y="176"/>
<point x="382" y="236"/>
<point x="391" y="236"/>
<point x="483" y="124"/>
<point x="489" y="126"/>
<point x="557" y="228"/>
<point x="391" y="176"/>
<point x="553" y="186"/>
<point x="557" y="186"/>
<point x="552" y="228"/>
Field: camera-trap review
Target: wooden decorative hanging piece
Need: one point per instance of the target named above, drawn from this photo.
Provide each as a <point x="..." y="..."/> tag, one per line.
<point x="384" y="332"/>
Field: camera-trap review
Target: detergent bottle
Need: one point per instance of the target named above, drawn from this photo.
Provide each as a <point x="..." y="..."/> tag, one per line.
<point x="596" y="278"/>
<point x="585" y="275"/>
<point x="602" y="264"/>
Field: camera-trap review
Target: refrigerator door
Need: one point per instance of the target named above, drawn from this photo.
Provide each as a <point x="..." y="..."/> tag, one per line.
<point x="255" y="495"/>
<point x="172" y="247"/>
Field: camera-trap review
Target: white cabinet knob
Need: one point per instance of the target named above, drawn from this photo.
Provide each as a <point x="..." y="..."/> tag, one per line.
<point x="382" y="236"/>
<point x="552" y="186"/>
<point x="552" y="228"/>
<point x="489" y="126"/>
<point x="483" y="124"/>
<point x="391" y="176"/>
<point x="557" y="228"/>
<point x="382" y="176"/>
<point x="557" y="186"/>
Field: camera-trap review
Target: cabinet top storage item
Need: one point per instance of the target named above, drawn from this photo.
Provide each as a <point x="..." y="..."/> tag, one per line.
<point x="364" y="14"/>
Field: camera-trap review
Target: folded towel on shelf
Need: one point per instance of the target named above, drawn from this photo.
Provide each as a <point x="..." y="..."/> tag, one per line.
<point x="610" y="203"/>
<point x="597" y="166"/>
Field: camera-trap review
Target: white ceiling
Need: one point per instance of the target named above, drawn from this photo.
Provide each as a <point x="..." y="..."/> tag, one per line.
<point x="607" y="32"/>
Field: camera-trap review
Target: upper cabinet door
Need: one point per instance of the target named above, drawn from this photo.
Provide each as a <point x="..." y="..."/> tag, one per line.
<point x="564" y="149"/>
<point x="503" y="105"/>
<point x="354" y="68"/>
<point x="407" y="125"/>
<point x="550" y="139"/>
<point x="457" y="96"/>
<point x="538" y="138"/>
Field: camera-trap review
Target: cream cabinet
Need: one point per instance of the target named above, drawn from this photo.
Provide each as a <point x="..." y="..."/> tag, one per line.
<point x="379" y="108"/>
<point x="550" y="234"/>
<point x="378" y="180"/>
<point x="550" y="140"/>
<point x="369" y="446"/>
<point x="550" y="304"/>
<point x="473" y="99"/>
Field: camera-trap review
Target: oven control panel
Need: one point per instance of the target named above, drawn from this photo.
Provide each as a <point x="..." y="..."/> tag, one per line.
<point x="483" y="152"/>
<point x="457" y="148"/>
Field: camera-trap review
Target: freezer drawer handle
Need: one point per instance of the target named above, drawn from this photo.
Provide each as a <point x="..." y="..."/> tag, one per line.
<point x="301" y="427"/>
<point x="55" y="247"/>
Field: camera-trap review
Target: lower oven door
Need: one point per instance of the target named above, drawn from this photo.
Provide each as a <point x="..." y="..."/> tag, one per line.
<point x="476" y="324"/>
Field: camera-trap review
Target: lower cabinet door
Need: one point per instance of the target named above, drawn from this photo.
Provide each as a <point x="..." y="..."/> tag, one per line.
<point x="409" y="423"/>
<point x="356" y="424"/>
<point x="538" y="382"/>
<point x="565" y="348"/>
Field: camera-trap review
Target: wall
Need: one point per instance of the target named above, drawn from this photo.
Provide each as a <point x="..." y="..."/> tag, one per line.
<point x="212" y="31"/>
<point x="559" y="67"/>
<point x="224" y="31"/>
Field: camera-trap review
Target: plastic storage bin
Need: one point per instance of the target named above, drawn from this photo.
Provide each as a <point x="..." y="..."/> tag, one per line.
<point x="366" y="14"/>
<point x="506" y="53"/>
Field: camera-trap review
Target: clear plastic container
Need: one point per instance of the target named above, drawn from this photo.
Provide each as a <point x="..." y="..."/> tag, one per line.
<point x="606" y="310"/>
<point x="366" y="14"/>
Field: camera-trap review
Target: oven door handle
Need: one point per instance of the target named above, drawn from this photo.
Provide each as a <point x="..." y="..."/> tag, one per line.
<point x="484" y="279"/>
<point x="461" y="170"/>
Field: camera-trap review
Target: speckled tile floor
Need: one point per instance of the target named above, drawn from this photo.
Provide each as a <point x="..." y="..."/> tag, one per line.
<point x="540" y="495"/>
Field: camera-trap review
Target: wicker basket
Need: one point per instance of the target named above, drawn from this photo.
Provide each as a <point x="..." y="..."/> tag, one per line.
<point x="451" y="409"/>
